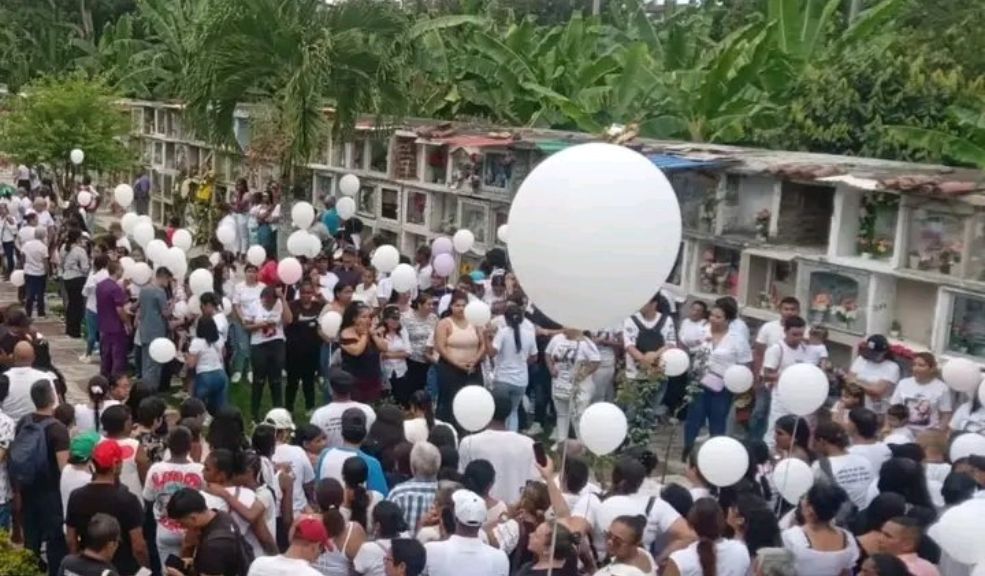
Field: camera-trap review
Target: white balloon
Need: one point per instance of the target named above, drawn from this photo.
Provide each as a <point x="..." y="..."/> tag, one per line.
<point x="503" y="233"/>
<point x="723" y="461"/>
<point x="404" y="278"/>
<point x="123" y="194"/>
<point x="588" y="259"/>
<point x="227" y="306"/>
<point x="84" y="198"/>
<point x="473" y="407"/>
<point x="182" y="239"/>
<point x="330" y="323"/>
<point x="128" y="222"/>
<point x="162" y="350"/>
<point x="141" y="273"/>
<point x="313" y="249"/>
<point x="175" y="261"/>
<point x="226" y="235"/>
<point x="802" y="389"/>
<point x="156" y="250"/>
<point x="201" y="281"/>
<point x="793" y="478"/>
<point x="978" y="570"/>
<point x="961" y="374"/>
<point x="346" y="207"/>
<point x="478" y="313"/>
<point x="127" y="264"/>
<point x="256" y="255"/>
<point x="289" y="270"/>
<point x="194" y="305"/>
<point x="674" y="361"/>
<point x="303" y="214"/>
<point x="144" y="218"/>
<point x="981" y="392"/>
<point x="349" y="185"/>
<point x="603" y="428"/>
<point x="958" y="531"/>
<point x="77" y="156"/>
<point x="297" y="243"/>
<point x="143" y="233"/>
<point x="967" y="444"/>
<point x="386" y="258"/>
<point x="180" y="309"/>
<point x="17" y="278"/>
<point x="215" y="258"/>
<point x="738" y="378"/>
<point x="463" y="241"/>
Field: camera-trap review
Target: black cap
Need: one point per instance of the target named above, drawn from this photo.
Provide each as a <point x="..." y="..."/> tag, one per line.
<point x="354" y="419"/>
<point x="877" y="343"/>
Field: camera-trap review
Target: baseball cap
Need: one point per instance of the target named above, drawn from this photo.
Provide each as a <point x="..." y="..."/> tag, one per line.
<point x="353" y="418"/>
<point x="877" y="343"/>
<point x="470" y="509"/>
<point x="107" y="454"/>
<point x="280" y="419"/>
<point x="82" y="445"/>
<point x="311" y="529"/>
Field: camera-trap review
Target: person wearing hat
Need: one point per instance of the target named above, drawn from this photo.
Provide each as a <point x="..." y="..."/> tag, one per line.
<point x="308" y="542"/>
<point x="875" y="372"/>
<point x="463" y="548"/>
<point x="353" y="434"/>
<point x="77" y="473"/>
<point x="287" y="454"/>
<point x="780" y="356"/>
<point x="104" y="494"/>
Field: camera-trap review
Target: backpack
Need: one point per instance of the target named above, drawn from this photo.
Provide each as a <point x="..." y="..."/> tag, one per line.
<point x="27" y="458"/>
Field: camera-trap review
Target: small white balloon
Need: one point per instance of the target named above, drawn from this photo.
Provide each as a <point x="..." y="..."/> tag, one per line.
<point x="386" y="258"/>
<point x="227" y="306"/>
<point x="128" y="221"/>
<point x="297" y="243"/>
<point x="793" y="478"/>
<point x="404" y="278"/>
<point x="77" y="156"/>
<point x="215" y="258"/>
<point x="17" y="278"/>
<point x="473" y="407"/>
<point x="738" y="378"/>
<point x="256" y="255"/>
<point x="143" y="233"/>
<point x="603" y="428"/>
<point x="349" y="185"/>
<point x="313" y="248"/>
<point x="162" y="350"/>
<point x="463" y="240"/>
<point x="226" y="235"/>
<point x="968" y="444"/>
<point x="503" y="233"/>
<point x="201" y="281"/>
<point x="802" y="389"/>
<point x="194" y="305"/>
<point x="958" y="531"/>
<point x="84" y="198"/>
<point x="123" y="194"/>
<point x="156" y="250"/>
<point x="723" y="461"/>
<point x="346" y="207"/>
<point x="674" y="361"/>
<point x="182" y="239"/>
<point x="180" y="309"/>
<point x="141" y="273"/>
<point x="478" y="313"/>
<point x="303" y="214"/>
<point x="330" y="323"/>
<point x="961" y="374"/>
<point x="127" y="264"/>
<point x="289" y="270"/>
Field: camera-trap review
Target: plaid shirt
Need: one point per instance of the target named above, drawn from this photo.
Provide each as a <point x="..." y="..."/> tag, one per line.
<point x="415" y="498"/>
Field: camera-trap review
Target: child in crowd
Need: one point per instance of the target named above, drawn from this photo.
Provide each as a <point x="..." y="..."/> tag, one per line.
<point x="852" y="396"/>
<point x="897" y="430"/>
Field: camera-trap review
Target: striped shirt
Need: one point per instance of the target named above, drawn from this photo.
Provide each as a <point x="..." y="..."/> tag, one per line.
<point x="415" y="498"/>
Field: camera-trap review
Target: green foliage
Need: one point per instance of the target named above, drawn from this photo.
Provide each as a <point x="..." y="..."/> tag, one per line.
<point x="15" y="560"/>
<point x="966" y="145"/>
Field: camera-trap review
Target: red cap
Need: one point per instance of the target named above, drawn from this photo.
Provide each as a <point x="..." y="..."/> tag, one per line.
<point x="107" y="454"/>
<point x="312" y="530"/>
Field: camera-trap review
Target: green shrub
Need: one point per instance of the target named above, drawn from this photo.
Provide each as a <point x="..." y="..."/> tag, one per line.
<point x="15" y="560"/>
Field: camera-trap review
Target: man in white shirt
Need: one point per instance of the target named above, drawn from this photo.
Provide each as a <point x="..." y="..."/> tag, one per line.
<point x="772" y="332"/>
<point x="97" y="274"/>
<point x="510" y="453"/>
<point x="308" y="541"/>
<point x="875" y="373"/>
<point x="780" y="356"/>
<point x="35" y="271"/>
<point x="863" y="430"/>
<point x="329" y="416"/>
<point x="17" y="402"/>
<point x="463" y="552"/>
<point x="288" y="454"/>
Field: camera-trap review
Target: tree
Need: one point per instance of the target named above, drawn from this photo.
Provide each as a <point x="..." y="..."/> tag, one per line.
<point x="965" y="145"/>
<point x="58" y="114"/>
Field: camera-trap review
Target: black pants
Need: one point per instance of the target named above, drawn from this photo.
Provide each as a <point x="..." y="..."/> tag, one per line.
<point x="302" y="369"/>
<point x="268" y="363"/>
<point x="8" y="255"/>
<point x="76" y="307"/>
<point x="34" y="287"/>
<point x="451" y="379"/>
<point x="415" y="379"/>
<point x="42" y="514"/>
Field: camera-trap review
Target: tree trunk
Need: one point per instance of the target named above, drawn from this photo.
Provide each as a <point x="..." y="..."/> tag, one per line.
<point x="853" y="10"/>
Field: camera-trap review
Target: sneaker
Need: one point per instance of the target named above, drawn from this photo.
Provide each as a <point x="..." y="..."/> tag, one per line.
<point x="237" y="376"/>
<point x="85" y="359"/>
<point x="535" y="429"/>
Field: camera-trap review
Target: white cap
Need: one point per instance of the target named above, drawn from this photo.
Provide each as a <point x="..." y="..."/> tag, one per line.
<point x="470" y="508"/>
<point x="280" y="419"/>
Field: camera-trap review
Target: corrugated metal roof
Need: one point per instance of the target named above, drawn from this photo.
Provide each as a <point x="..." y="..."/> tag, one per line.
<point x="668" y="162"/>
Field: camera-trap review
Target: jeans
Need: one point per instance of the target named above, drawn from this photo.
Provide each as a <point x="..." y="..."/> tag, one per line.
<point x="92" y="331"/>
<point x="759" y="419"/>
<point x="711" y="406"/>
<point x="539" y="388"/>
<point x="150" y="371"/>
<point x="432" y="383"/>
<point x="8" y="254"/>
<point x="268" y="363"/>
<point x="212" y="388"/>
<point x="325" y="365"/>
<point x="515" y="394"/>
<point x="34" y="287"/>
<point x="42" y="513"/>
<point x="240" y="341"/>
<point x="113" y="353"/>
<point x="302" y="368"/>
<point x="76" y="306"/>
<point x="6" y="515"/>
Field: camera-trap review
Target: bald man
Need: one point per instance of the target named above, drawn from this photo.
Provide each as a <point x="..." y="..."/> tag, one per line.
<point x="15" y="385"/>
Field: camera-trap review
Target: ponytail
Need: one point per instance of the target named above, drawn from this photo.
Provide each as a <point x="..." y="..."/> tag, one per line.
<point x="708" y="522"/>
<point x="422" y="401"/>
<point x="355" y="472"/>
<point x="706" y="556"/>
<point x="513" y="317"/>
<point x="359" y="507"/>
<point x="97" y="388"/>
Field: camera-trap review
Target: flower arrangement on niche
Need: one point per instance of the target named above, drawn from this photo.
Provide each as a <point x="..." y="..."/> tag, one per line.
<point x="763" y="224"/>
<point x="820" y="305"/>
<point x="870" y="242"/>
<point x="846" y="312"/>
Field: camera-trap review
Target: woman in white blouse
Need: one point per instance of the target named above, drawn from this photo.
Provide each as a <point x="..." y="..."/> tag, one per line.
<point x="711" y="554"/>
<point x="694" y="328"/>
<point x="394" y="360"/>
<point x="818" y="546"/>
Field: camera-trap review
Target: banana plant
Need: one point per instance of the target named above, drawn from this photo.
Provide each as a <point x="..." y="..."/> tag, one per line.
<point x="965" y="145"/>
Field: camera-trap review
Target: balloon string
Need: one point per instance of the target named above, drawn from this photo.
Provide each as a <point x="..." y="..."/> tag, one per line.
<point x="564" y="461"/>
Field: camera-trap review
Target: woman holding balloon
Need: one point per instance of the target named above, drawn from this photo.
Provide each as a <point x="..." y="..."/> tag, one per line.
<point x="460" y="348"/>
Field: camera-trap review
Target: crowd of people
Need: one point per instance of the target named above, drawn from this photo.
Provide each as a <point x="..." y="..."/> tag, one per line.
<point x="370" y="471"/>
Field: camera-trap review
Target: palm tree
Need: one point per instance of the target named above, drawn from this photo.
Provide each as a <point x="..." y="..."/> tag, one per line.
<point x="967" y="146"/>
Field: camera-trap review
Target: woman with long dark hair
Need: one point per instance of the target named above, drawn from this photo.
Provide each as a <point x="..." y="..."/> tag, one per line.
<point x="205" y="358"/>
<point x="555" y="551"/>
<point x="753" y="523"/>
<point x="787" y="445"/>
<point x="460" y="347"/>
<point x="421" y="420"/>
<point x="347" y="536"/>
<point x="265" y="323"/>
<point x="819" y="547"/>
<point x="75" y="270"/>
<point x="514" y="349"/>
<point x="87" y="415"/>
<point x="359" y="502"/>
<point x="712" y="554"/>
<point x="361" y="347"/>
<point x="624" y="543"/>
<point x="394" y="359"/>
<point x="387" y="524"/>
<point x="419" y="322"/>
<point x="906" y="478"/>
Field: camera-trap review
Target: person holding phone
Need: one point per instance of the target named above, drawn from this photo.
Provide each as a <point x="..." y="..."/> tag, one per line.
<point x="265" y="322"/>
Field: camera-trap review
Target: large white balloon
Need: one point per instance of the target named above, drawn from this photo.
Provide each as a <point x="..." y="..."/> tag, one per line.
<point x="195" y="305"/>
<point x="441" y="245"/>
<point x="404" y="278"/>
<point x="313" y="248"/>
<point x="385" y="258"/>
<point x="349" y="185"/>
<point x="330" y="323"/>
<point x="162" y="350"/>
<point x="675" y="361"/>
<point x="503" y="233"/>
<point x="594" y="229"/>
<point x="156" y="250"/>
<point x="793" y="478"/>
<point x="303" y="214"/>
<point x="463" y="241"/>
<point x="738" y="378"/>
<point x="958" y="531"/>
<point x="17" y="278"/>
<point x="603" y="428"/>
<point x="289" y="270"/>
<point x="346" y="207"/>
<point x="723" y="460"/>
<point x="77" y="156"/>
<point x="478" y="313"/>
<point x="141" y="273"/>
<point x="225" y="235"/>
<point x="968" y="444"/>
<point x="182" y="239"/>
<point x="180" y="309"/>
<point x="127" y="264"/>
<point x="175" y="261"/>
<point x="981" y="392"/>
<point x="297" y="243"/>
<point x="802" y="389"/>
<point x="201" y="281"/>
<point x="143" y="233"/>
<point x="128" y="221"/>
<point x="84" y="198"/>
<point x="961" y="374"/>
<point x="256" y="255"/>
<point x="123" y="194"/>
<point x="215" y="258"/>
<point x="473" y="407"/>
<point x="978" y="570"/>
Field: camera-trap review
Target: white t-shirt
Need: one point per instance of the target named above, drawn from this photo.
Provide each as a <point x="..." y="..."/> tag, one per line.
<point x="511" y="455"/>
<point x="601" y="514"/>
<point x="209" y="355"/>
<point x="369" y="559"/>
<point x="72" y="478"/>
<point x="366" y="294"/>
<point x="25" y="235"/>
<point x="247" y="497"/>
<point x="416" y="429"/>
<point x="724" y="355"/>
<point x="281" y="565"/>
<point x="740" y="329"/>
<point x="258" y="314"/>
<point x="731" y="559"/>
<point x="964" y="420"/>
<point x="129" y="476"/>
<point x="630" y="331"/>
<point x="300" y="467"/>
<point x="566" y="354"/>
<point x="770" y="333"/>
<point x="18" y="402"/>
<point x="397" y="367"/>
<point x="326" y="285"/>
<point x="511" y="364"/>
<point x="331" y="462"/>
<point x="780" y="356"/>
<point x="692" y="334"/>
<point x="811" y="562"/>
<point x="852" y="472"/>
<point x="874" y="372"/>
<point x="163" y="480"/>
<point x="329" y="419"/>
<point x="876" y="453"/>
<point x="246" y="296"/>
<point x="89" y="289"/>
<point x="925" y="401"/>
<point x="35" y="258"/>
<point x="450" y="557"/>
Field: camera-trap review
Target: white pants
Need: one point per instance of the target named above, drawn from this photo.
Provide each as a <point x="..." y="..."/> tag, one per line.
<point x="604" y="380"/>
<point x="242" y="233"/>
<point x="570" y="409"/>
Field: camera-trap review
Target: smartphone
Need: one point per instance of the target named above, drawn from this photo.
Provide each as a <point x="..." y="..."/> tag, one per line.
<point x="540" y="455"/>
<point x="175" y="562"/>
